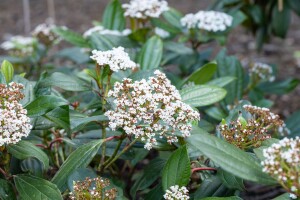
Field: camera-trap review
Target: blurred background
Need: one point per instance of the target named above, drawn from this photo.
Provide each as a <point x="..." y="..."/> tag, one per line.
<point x="20" y="17"/>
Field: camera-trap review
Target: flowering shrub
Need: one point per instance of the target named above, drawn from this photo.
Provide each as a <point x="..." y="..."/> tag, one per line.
<point x="117" y="114"/>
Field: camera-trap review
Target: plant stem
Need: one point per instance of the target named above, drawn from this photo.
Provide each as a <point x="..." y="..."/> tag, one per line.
<point x="115" y="152"/>
<point x="122" y="152"/>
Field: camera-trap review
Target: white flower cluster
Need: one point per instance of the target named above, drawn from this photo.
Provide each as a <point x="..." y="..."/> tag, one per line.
<point x="45" y="34"/>
<point x="117" y="59"/>
<point x="176" y="193"/>
<point x="207" y="20"/>
<point x="282" y="161"/>
<point x="20" y="45"/>
<point x="102" y="31"/>
<point x="263" y="71"/>
<point x="143" y="9"/>
<point x="14" y="123"/>
<point x="150" y="108"/>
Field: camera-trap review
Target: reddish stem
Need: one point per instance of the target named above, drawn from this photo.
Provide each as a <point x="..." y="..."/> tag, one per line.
<point x="3" y="172"/>
<point x="42" y="146"/>
<point x="54" y="141"/>
<point x="203" y="169"/>
<point x="112" y="137"/>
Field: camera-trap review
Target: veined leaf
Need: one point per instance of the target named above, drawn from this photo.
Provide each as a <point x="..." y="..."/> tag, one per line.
<point x="113" y="16"/>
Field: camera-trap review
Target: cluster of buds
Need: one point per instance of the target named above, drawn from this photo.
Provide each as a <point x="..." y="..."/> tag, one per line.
<point x="45" y="34"/>
<point x="261" y="72"/>
<point x="150" y="108"/>
<point x="143" y="9"/>
<point x="20" y="46"/>
<point x="117" y="59"/>
<point x="247" y="134"/>
<point x="282" y="161"/>
<point x="14" y="123"/>
<point x="102" y="31"/>
<point x="93" y="189"/>
<point x="211" y="21"/>
<point x="177" y="193"/>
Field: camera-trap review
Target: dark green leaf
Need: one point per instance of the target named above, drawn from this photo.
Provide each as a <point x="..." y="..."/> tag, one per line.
<point x="25" y="149"/>
<point x="113" y="16"/>
<point x="80" y="175"/>
<point x="34" y="188"/>
<point x="80" y="158"/>
<point x="280" y="87"/>
<point x="177" y="170"/>
<point x="229" y="157"/>
<point x="151" y="53"/>
<point x="230" y="66"/>
<point x="231" y="181"/>
<point x="70" y="36"/>
<point x="44" y="104"/>
<point x="6" y="190"/>
<point x="60" y="116"/>
<point x="293" y="124"/>
<point x="202" y="95"/>
<point x="295" y="5"/>
<point x="80" y="122"/>
<point x="281" y="20"/>
<point x="222" y="198"/>
<point x="173" y="17"/>
<point x="64" y="81"/>
<point x="285" y="196"/>
<point x="221" y="82"/>
<point x="203" y="74"/>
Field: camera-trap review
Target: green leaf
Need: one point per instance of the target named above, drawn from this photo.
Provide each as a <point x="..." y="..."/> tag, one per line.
<point x="107" y="42"/>
<point x="25" y="149"/>
<point x="70" y="36"/>
<point x="281" y="20"/>
<point x="177" y="170"/>
<point x="229" y="157"/>
<point x="63" y="81"/>
<point x="80" y="122"/>
<point x="202" y="95"/>
<point x="293" y="124"/>
<point x="7" y="70"/>
<point x="230" y="66"/>
<point x="295" y="5"/>
<point x="150" y="174"/>
<point x="113" y="16"/>
<point x="44" y="104"/>
<point x="6" y="190"/>
<point x="60" y="116"/>
<point x="231" y="181"/>
<point x="80" y="158"/>
<point x="173" y="16"/>
<point x="285" y="196"/>
<point x="221" y="82"/>
<point x="210" y="187"/>
<point x="34" y="188"/>
<point x="222" y="198"/>
<point x="80" y="175"/>
<point x="151" y="53"/>
<point x="216" y="113"/>
<point x="280" y="87"/>
<point x="203" y="74"/>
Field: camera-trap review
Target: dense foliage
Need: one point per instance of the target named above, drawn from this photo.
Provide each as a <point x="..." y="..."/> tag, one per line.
<point x="143" y="113"/>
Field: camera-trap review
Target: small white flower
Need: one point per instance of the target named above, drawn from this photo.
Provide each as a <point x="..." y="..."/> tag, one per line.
<point x="24" y="45"/>
<point x="161" y="32"/>
<point x="143" y="9"/>
<point x="211" y="21"/>
<point x="102" y="31"/>
<point x="176" y="193"/>
<point x="117" y="59"/>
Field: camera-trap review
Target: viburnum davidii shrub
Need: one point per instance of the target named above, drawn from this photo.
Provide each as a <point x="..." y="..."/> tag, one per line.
<point x="117" y="114"/>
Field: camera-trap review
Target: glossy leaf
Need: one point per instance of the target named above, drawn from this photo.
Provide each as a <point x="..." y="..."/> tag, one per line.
<point x="202" y="95"/>
<point x="173" y="17"/>
<point x="34" y="188"/>
<point x="81" y="122"/>
<point x="80" y="158"/>
<point x="177" y="170"/>
<point x="151" y="53"/>
<point x="221" y="82"/>
<point x="63" y="81"/>
<point x="25" y="149"/>
<point x="231" y="181"/>
<point x="44" y="104"/>
<point x="113" y="16"/>
<point x="229" y="157"/>
<point x="203" y="74"/>
<point x="281" y="20"/>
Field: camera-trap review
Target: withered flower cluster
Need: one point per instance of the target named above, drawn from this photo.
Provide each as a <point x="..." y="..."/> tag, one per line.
<point x="93" y="189"/>
<point x="250" y="133"/>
